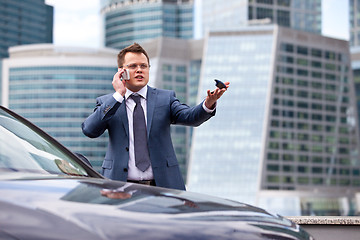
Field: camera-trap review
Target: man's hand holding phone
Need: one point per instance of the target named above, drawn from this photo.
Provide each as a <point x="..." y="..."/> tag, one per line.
<point x="119" y="80"/>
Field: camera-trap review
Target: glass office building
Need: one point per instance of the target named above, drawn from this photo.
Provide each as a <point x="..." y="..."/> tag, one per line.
<point x="128" y="21"/>
<point x="55" y="88"/>
<point x="354" y="7"/>
<point x="285" y="135"/>
<point x="297" y="14"/>
<point x="24" y="22"/>
<point x="355" y="64"/>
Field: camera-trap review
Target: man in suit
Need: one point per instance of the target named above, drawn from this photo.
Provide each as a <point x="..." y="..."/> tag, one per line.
<point x="114" y="112"/>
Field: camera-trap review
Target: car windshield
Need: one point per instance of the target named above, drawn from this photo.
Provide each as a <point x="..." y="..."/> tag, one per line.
<point x="24" y="148"/>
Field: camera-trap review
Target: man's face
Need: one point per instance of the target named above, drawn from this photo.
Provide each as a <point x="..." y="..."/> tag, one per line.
<point x="139" y="70"/>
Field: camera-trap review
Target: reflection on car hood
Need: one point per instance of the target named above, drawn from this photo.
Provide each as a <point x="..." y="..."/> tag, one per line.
<point x="83" y="208"/>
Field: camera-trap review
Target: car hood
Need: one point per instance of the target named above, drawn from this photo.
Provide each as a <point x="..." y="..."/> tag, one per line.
<point x="87" y="208"/>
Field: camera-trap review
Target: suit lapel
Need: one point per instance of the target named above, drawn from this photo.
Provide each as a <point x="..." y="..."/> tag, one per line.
<point x="150" y="105"/>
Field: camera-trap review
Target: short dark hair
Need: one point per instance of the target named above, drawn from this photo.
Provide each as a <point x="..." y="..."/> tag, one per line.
<point x="134" y="48"/>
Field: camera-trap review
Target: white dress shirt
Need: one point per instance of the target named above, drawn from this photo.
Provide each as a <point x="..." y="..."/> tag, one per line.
<point x="133" y="172"/>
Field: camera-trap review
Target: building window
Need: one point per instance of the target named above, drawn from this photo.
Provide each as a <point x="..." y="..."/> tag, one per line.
<point x="273" y="168"/>
<point x="273" y="179"/>
<point x="316" y="85"/>
<point x="302" y="62"/>
<point x="287" y="47"/>
<point x="283" y="18"/>
<point x="316" y="64"/>
<point x="302" y="50"/>
<point x="181" y="79"/>
<point x="167" y="78"/>
<point x="273" y="156"/>
<point x="317" y="181"/>
<point x="302" y="72"/>
<point x="330" y="66"/>
<point x="316" y="53"/>
<point x="288" y="157"/>
<point x="302" y="126"/>
<point x="303" y="137"/>
<point x="330" y="55"/>
<point x="303" y="180"/>
<point x="274" y="145"/>
<point x="302" y="94"/>
<point x="302" y="83"/>
<point x="181" y="69"/>
<point x="317" y="159"/>
<point x="303" y="159"/>
<point x="270" y="2"/>
<point x="167" y="67"/>
<point x="285" y="3"/>
<point x="316" y="75"/>
<point x="316" y="96"/>
<point x="303" y="169"/>
<point x="288" y="168"/>
<point x="317" y="128"/>
<point x="275" y="123"/>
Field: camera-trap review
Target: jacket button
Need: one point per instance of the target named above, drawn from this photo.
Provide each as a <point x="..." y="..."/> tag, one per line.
<point x="125" y="170"/>
<point x="127" y="149"/>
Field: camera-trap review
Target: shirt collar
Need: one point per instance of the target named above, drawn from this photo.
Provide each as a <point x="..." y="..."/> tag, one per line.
<point x="142" y="92"/>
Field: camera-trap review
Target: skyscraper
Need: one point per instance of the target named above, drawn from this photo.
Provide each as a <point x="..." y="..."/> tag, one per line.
<point x="355" y="64"/>
<point x="24" y="22"/>
<point x="285" y="134"/>
<point x="297" y="14"/>
<point x="354" y="7"/>
<point x="55" y="88"/>
<point x="129" y="21"/>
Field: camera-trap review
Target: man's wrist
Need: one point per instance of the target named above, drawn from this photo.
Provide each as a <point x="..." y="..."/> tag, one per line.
<point x="209" y="110"/>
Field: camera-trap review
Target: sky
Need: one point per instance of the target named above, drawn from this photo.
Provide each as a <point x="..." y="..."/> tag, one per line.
<point x="77" y="23"/>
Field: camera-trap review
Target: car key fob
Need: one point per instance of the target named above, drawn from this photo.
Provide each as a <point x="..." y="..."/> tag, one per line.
<point x="219" y="84"/>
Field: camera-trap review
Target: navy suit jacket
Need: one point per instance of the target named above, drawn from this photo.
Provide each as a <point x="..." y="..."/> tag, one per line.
<point x="163" y="109"/>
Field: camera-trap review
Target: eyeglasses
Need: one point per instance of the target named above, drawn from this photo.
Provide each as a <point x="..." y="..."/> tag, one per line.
<point x="135" y="66"/>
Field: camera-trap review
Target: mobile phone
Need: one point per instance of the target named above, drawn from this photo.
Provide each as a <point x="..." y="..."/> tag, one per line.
<point x="125" y="75"/>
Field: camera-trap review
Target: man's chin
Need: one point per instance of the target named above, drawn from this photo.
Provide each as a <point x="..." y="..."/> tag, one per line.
<point x="136" y="87"/>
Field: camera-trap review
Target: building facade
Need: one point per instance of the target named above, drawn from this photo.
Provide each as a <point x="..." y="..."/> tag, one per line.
<point x="129" y="21"/>
<point x="297" y="14"/>
<point x="286" y="136"/>
<point x="24" y="22"/>
<point x="55" y="88"/>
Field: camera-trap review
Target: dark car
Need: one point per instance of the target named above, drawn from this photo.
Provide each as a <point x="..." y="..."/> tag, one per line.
<point x="48" y="192"/>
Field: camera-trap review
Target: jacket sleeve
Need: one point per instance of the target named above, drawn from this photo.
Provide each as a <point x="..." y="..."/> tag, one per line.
<point x="185" y="115"/>
<point x="96" y="124"/>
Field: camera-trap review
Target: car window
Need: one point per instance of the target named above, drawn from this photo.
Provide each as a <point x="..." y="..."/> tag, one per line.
<point x="23" y="148"/>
